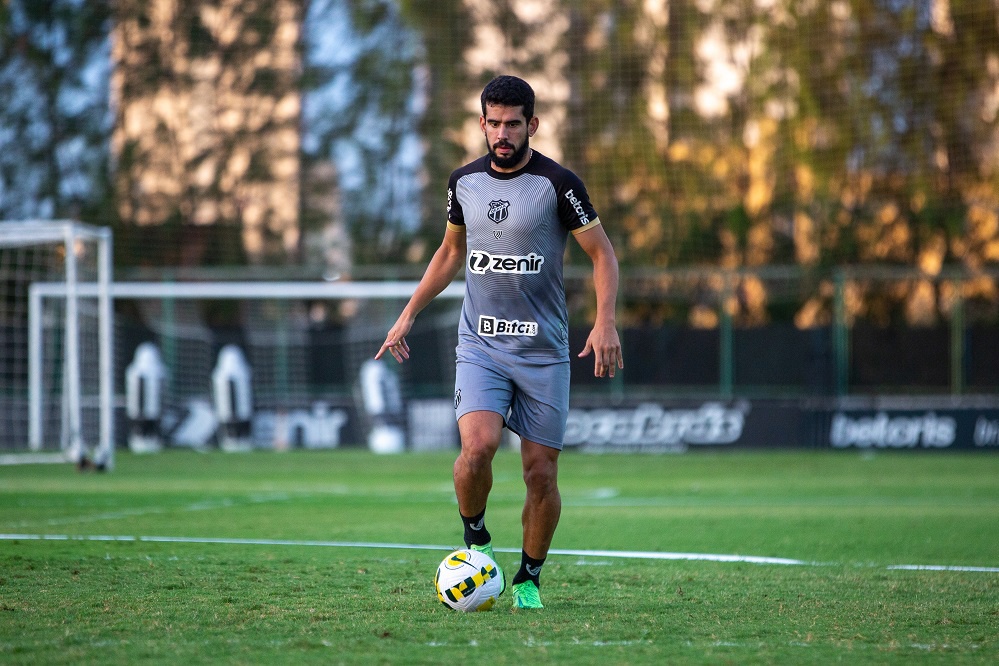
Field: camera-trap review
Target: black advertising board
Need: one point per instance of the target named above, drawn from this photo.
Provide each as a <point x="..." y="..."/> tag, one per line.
<point x="673" y="427"/>
<point x="668" y="426"/>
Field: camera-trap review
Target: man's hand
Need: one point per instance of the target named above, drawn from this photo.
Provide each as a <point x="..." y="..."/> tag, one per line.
<point x="446" y="263"/>
<point x="605" y="344"/>
<point x="395" y="342"/>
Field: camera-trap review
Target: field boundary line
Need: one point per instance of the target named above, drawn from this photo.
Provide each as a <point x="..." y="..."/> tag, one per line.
<point x="8" y="459"/>
<point x="622" y="554"/>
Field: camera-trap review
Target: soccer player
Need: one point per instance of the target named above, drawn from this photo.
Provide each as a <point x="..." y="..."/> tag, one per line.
<point x="509" y="216"/>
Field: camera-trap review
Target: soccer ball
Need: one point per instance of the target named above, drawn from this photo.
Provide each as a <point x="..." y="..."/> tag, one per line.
<point x="468" y="580"/>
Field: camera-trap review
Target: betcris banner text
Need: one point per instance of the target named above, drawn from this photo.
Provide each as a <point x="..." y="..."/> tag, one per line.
<point x="914" y="429"/>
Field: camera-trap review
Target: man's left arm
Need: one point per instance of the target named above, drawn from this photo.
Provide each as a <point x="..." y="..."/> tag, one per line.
<point x="603" y="340"/>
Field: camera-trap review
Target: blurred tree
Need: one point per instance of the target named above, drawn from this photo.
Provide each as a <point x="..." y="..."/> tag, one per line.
<point x="894" y="142"/>
<point x="730" y="133"/>
<point x="445" y="28"/>
<point x="54" y="119"/>
<point x="611" y="138"/>
<point x="364" y="97"/>
<point x="206" y="139"/>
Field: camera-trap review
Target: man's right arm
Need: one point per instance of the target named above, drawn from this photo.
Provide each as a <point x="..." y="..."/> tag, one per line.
<point x="443" y="267"/>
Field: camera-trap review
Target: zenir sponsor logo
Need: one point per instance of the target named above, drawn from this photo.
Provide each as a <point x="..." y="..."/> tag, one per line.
<point x="499" y="210"/>
<point x="480" y="263"/>
<point x="490" y="327"/>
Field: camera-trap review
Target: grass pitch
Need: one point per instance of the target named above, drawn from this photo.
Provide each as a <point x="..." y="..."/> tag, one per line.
<point x="302" y="557"/>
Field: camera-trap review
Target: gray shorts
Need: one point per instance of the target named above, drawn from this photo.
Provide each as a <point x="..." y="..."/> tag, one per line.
<point x="531" y="394"/>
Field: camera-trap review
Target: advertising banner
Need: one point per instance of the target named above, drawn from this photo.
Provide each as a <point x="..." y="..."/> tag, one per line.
<point x="637" y="426"/>
<point x="677" y="426"/>
<point x="674" y="427"/>
<point x="927" y="429"/>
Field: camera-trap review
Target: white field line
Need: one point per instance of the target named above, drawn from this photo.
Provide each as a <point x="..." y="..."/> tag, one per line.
<point x="33" y="458"/>
<point x="624" y="554"/>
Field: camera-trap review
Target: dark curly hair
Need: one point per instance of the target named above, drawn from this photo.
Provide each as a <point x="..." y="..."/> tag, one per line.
<point x="509" y="91"/>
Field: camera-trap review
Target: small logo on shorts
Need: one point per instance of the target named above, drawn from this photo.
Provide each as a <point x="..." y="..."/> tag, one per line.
<point x="492" y="326"/>
<point x="457" y="398"/>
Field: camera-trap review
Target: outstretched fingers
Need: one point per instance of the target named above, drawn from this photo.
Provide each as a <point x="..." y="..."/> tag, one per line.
<point x="398" y="348"/>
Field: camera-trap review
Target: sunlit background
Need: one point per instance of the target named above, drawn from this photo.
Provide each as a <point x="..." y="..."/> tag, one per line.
<point x="803" y="194"/>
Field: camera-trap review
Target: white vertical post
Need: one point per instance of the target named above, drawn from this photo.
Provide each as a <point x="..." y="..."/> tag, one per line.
<point x="106" y="342"/>
<point x="73" y="439"/>
<point x="34" y="369"/>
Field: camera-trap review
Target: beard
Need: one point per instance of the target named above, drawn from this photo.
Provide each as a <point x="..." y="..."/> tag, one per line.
<point x="514" y="158"/>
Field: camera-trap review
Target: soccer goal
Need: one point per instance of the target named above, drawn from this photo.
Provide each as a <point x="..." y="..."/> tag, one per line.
<point x="305" y="351"/>
<point x="56" y="368"/>
<point x="72" y="342"/>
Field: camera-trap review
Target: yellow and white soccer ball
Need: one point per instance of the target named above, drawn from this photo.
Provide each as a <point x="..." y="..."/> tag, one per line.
<point x="468" y="580"/>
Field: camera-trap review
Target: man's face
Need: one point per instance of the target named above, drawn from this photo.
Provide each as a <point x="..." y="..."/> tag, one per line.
<point x="507" y="135"/>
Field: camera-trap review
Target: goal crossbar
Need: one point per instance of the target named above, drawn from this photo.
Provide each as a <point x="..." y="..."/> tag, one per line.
<point x="247" y="290"/>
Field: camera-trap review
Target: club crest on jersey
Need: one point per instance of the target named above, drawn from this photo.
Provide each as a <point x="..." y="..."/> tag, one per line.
<point x="499" y="210"/>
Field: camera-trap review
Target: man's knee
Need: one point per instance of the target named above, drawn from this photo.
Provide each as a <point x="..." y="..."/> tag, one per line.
<point x="541" y="470"/>
<point x="475" y="457"/>
<point x="479" y="443"/>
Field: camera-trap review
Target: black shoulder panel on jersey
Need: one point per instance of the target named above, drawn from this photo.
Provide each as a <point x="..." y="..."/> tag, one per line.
<point x="574" y="207"/>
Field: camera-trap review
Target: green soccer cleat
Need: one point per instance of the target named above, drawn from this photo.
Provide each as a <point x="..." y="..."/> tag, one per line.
<point x="488" y="550"/>
<point x="526" y="595"/>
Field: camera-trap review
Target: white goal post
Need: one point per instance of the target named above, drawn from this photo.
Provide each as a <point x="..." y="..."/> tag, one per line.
<point x="80" y="328"/>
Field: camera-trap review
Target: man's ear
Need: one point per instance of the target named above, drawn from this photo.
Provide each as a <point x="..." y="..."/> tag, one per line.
<point x="532" y="126"/>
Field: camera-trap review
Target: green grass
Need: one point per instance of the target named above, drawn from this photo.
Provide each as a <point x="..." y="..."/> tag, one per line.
<point x="851" y="517"/>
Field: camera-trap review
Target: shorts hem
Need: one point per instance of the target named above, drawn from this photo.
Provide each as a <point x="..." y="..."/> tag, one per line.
<point x="543" y="442"/>
<point x="479" y="408"/>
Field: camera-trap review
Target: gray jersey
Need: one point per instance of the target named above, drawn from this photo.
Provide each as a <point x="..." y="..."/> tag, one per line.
<point x="516" y="226"/>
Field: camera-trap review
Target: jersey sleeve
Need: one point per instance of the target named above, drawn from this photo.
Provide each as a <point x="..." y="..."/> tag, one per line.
<point x="455" y="215"/>
<point x="574" y="208"/>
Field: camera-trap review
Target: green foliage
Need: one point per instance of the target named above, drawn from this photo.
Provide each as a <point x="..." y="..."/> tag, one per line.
<point x="848" y="517"/>
<point x="53" y="117"/>
<point x="870" y="123"/>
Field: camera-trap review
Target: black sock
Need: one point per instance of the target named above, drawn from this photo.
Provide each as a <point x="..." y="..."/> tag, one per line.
<point x="475" y="529"/>
<point x="530" y="569"/>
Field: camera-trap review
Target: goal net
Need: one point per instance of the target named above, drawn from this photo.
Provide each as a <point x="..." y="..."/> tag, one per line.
<point x="298" y="355"/>
<point x="55" y="340"/>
